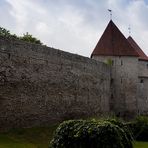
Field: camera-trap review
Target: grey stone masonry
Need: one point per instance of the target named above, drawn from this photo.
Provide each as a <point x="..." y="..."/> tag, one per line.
<point x="124" y="74"/>
<point x="41" y="85"/>
<point x="142" y="87"/>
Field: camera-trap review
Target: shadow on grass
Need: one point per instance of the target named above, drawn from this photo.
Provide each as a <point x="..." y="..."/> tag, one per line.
<point x="37" y="137"/>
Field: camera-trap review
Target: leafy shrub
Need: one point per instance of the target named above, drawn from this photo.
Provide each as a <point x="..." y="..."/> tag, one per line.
<point x="122" y="125"/>
<point x="29" y="38"/>
<point x="6" y="33"/>
<point x="139" y="128"/>
<point x="26" y="37"/>
<point x="90" y="134"/>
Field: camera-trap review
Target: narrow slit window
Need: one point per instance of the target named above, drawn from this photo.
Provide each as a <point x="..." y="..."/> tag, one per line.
<point x="121" y="62"/>
<point x="141" y="81"/>
<point x="112" y="96"/>
<point x="111" y="81"/>
<point x="121" y="80"/>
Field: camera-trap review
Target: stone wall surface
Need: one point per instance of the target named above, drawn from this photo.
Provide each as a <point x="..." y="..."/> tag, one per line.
<point x="124" y="82"/>
<point x="143" y="96"/>
<point x="40" y="85"/>
<point x="143" y="68"/>
<point x="143" y="87"/>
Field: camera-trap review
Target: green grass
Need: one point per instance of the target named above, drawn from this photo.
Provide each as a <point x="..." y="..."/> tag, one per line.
<point x="36" y="138"/>
<point x="140" y="144"/>
<point x="27" y="138"/>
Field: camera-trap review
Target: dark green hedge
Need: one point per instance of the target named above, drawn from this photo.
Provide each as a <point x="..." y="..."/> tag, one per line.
<point x="90" y="134"/>
<point x="122" y="125"/>
<point x="139" y="128"/>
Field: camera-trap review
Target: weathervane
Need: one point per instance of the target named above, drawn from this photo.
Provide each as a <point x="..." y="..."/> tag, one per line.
<point x="129" y="30"/>
<point x="110" y="11"/>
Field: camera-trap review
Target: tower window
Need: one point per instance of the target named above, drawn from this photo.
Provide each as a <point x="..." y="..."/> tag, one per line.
<point x="121" y="62"/>
<point x="111" y="81"/>
<point x="141" y="81"/>
<point x="121" y="80"/>
<point x="112" y="96"/>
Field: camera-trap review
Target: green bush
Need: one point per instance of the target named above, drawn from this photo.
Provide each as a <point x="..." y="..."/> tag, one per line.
<point x="90" y="134"/>
<point x="26" y="37"/>
<point x="29" y="38"/>
<point x="122" y="125"/>
<point x="139" y="128"/>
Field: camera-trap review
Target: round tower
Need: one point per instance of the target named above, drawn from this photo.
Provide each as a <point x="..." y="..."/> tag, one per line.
<point x="114" y="50"/>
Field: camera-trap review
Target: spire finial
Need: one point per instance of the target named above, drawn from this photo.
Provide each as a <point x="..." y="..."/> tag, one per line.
<point x="129" y="30"/>
<point x="110" y="11"/>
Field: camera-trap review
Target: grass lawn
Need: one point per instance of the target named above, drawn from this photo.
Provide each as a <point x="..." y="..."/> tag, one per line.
<point x="27" y="138"/>
<point x="140" y="144"/>
<point x="36" y="138"/>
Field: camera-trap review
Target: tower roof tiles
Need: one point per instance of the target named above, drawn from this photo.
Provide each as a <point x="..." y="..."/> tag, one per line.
<point x="142" y="55"/>
<point x="113" y="43"/>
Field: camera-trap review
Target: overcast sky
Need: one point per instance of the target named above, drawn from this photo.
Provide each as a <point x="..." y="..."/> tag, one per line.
<point x="75" y="25"/>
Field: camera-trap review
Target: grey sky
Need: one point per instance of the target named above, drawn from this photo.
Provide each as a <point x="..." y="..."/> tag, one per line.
<point x="75" y="25"/>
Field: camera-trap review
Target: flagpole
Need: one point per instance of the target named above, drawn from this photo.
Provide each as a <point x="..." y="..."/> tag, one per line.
<point x="110" y="11"/>
<point x="129" y="30"/>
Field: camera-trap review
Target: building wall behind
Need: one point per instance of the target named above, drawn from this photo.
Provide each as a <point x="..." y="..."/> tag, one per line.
<point x="142" y="87"/>
<point x="41" y="85"/>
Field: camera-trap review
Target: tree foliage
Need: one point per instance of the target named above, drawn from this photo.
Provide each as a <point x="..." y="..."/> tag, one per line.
<point x="4" y="32"/>
<point x="26" y="37"/>
<point x="29" y="38"/>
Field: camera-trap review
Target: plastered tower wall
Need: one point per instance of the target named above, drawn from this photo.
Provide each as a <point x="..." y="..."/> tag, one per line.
<point x="143" y="68"/>
<point x="41" y="85"/>
<point x="142" y="96"/>
<point x="124" y="74"/>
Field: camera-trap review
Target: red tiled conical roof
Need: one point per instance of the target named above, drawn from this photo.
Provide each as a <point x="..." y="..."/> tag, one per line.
<point x="142" y="55"/>
<point x="113" y="43"/>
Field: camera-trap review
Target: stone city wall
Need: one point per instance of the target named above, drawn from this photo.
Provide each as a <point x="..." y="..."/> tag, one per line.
<point x="41" y="85"/>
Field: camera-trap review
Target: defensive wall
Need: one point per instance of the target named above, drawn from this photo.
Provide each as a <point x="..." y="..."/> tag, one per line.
<point x="41" y="85"/>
